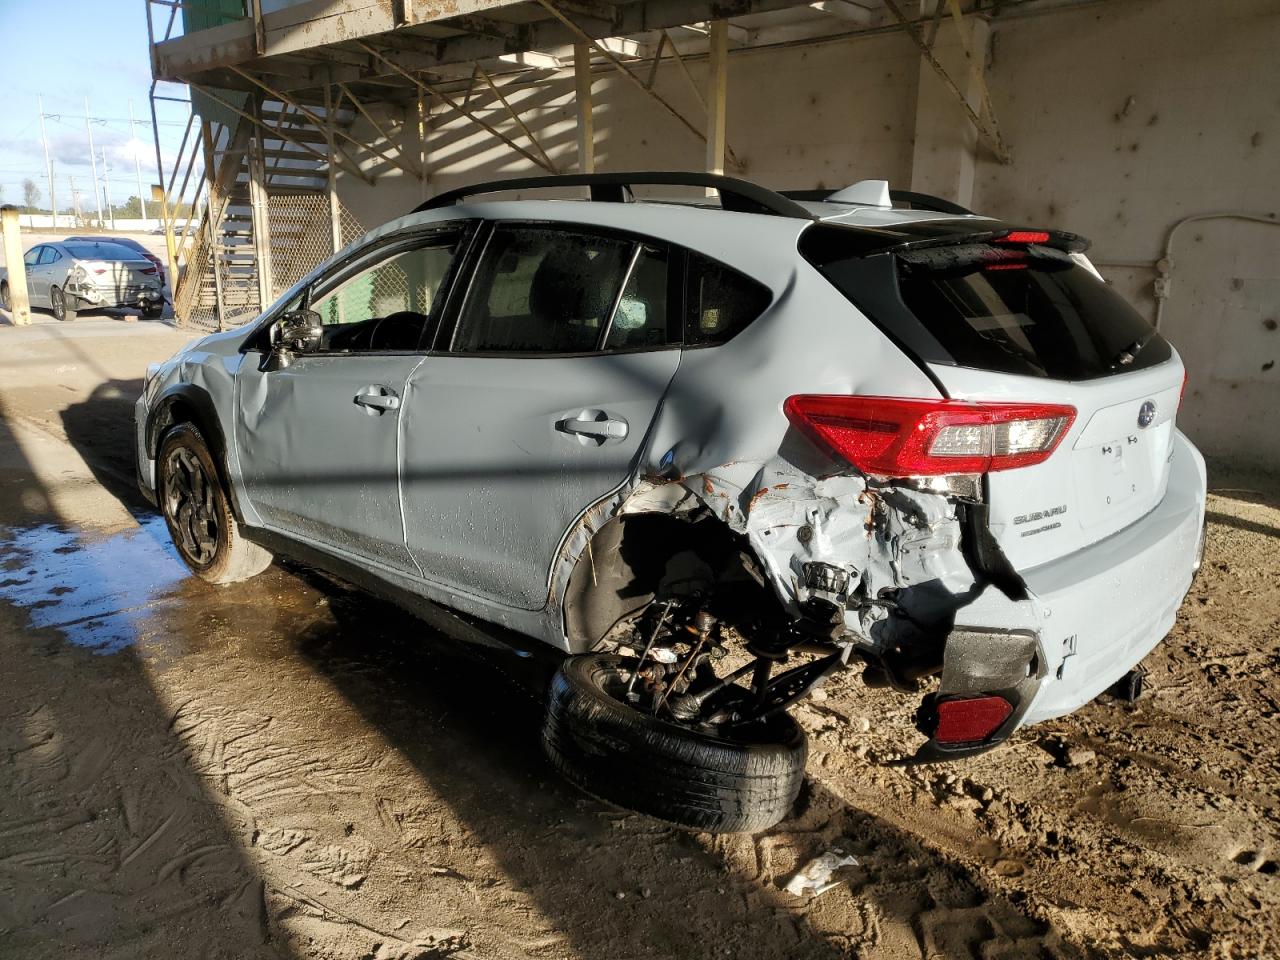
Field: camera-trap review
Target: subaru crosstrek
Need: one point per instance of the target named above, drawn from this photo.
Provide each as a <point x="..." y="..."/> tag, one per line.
<point x="709" y="453"/>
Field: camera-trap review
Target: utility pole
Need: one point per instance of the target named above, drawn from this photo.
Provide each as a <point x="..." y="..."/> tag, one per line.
<point x="48" y="165"/>
<point x="106" y="189"/>
<point x="75" y="200"/>
<point x="89" y="129"/>
<point x="137" y="164"/>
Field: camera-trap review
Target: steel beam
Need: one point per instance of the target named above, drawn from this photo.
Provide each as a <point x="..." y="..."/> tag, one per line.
<point x="586" y="119"/>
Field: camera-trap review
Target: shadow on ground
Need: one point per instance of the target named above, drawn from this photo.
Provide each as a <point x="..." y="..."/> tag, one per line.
<point x="110" y="844"/>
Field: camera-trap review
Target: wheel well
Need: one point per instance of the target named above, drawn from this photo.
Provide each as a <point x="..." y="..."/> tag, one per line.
<point x="631" y="558"/>
<point x="182" y="408"/>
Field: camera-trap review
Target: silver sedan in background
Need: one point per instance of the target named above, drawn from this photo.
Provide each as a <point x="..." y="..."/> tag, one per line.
<point x="74" y="275"/>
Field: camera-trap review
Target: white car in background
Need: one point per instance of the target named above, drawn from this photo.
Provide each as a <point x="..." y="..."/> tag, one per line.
<point x="708" y="454"/>
<point x="72" y="275"/>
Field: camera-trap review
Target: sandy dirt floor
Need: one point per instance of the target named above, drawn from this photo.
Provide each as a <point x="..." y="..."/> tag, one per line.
<point x="287" y="768"/>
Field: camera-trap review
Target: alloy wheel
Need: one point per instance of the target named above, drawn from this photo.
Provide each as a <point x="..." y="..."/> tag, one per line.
<point x="190" y="506"/>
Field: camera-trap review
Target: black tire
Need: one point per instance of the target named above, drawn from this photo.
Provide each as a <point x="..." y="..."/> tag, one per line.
<point x="64" y="307"/>
<point x="6" y="299"/>
<point x="673" y="773"/>
<point x="198" y="514"/>
<point x="153" y="311"/>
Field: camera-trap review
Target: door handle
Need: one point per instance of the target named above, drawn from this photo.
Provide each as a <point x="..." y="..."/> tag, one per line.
<point x="603" y="429"/>
<point x="377" y="399"/>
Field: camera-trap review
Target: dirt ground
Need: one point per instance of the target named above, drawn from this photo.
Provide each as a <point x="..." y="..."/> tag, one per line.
<point x="287" y="768"/>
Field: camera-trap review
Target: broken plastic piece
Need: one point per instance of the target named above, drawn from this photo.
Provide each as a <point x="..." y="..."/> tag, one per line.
<point x="815" y="876"/>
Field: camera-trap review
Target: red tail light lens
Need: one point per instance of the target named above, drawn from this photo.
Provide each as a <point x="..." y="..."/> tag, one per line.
<point x="894" y="437"/>
<point x="148" y="271"/>
<point x="1024" y="236"/>
<point x="1182" y="391"/>
<point x="971" y="719"/>
<point x="99" y="270"/>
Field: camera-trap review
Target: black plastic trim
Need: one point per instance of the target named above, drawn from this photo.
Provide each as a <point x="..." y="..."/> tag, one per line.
<point x="737" y="195"/>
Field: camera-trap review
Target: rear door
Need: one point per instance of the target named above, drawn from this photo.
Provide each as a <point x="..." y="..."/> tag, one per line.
<point x="535" y="404"/>
<point x="37" y="286"/>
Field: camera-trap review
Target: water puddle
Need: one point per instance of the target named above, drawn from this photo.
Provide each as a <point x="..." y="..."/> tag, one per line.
<point x="100" y="591"/>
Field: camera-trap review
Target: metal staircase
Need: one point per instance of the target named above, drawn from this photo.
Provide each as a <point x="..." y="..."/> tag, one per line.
<point x="221" y="266"/>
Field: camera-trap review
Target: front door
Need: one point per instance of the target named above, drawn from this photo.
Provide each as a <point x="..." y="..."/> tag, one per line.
<point x="319" y="439"/>
<point x="537" y="406"/>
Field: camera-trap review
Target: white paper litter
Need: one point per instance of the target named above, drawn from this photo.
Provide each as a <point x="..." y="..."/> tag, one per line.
<point x="815" y="877"/>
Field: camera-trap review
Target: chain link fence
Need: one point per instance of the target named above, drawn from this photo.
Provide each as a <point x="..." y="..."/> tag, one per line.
<point x="302" y="236"/>
<point x="301" y="239"/>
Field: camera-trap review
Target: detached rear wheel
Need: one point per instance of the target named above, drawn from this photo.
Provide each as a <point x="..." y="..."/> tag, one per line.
<point x="197" y="512"/>
<point x="742" y="778"/>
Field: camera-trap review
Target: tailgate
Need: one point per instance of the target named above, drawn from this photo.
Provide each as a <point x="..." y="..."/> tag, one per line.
<point x="1014" y="315"/>
<point x="1110" y="470"/>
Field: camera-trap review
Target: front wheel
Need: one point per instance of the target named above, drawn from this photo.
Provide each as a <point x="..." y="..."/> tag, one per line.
<point x="738" y="779"/>
<point x="64" y="308"/>
<point x="197" y="513"/>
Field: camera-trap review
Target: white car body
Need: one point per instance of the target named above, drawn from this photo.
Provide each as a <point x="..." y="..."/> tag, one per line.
<point x="468" y="494"/>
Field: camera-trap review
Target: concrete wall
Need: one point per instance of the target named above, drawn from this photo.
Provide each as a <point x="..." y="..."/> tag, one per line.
<point x="1125" y="119"/>
<point x="1122" y="117"/>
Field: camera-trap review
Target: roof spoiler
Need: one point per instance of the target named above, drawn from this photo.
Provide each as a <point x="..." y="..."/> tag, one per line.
<point x="902" y="198"/>
<point x="740" y="196"/>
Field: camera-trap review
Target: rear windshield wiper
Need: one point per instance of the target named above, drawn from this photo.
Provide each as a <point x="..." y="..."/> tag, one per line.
<point x="1130" y="353"/>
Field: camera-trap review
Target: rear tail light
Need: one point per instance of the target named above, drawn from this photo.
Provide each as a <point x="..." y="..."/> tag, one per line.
<point x="893" y="437"/>
<point x="1182" y="391"/>
<point x="99" y="270"/>
<point x="1024" y="236"/>
<point x="970" y="719"/>
<point x="148" y="271"/>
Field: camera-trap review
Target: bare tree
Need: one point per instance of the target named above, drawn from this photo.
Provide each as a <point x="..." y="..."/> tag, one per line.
<point x="30" y="194"/>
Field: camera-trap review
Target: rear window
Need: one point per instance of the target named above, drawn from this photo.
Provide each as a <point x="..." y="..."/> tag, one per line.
<point x="1024" y="310"/>
<point x="101" y="251"/>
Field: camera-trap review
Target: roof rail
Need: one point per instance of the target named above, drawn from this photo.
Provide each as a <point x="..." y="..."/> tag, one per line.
<point x="918" y="201"/>
<point x="740" y="196"/>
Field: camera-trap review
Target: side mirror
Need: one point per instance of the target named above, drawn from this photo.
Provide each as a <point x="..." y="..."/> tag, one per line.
<point x="301" y="332"/>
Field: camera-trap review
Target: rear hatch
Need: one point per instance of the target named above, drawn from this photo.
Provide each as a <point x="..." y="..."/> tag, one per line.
<point x="1020" y="316"/>
<point x="122" y="276"/>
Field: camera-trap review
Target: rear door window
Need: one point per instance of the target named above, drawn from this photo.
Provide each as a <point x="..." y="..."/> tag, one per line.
<point x="543" y="290"/>
<point x="641" y="319"/>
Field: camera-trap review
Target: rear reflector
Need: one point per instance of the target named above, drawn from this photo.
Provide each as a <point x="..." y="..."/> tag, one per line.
<point x="1024" y="236"/>
<point x="970" y="720"/>
<point x="893" y="437"/>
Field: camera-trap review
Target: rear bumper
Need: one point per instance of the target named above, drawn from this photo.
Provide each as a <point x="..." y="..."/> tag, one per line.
<point x="1087" y="620"/>
<point x="130" y="296"/>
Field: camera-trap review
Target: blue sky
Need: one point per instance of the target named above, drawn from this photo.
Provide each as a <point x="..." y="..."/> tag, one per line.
<point x="64" y="51"/>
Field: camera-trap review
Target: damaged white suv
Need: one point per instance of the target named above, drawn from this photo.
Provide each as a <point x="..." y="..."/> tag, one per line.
<point x="710" y="452"/>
